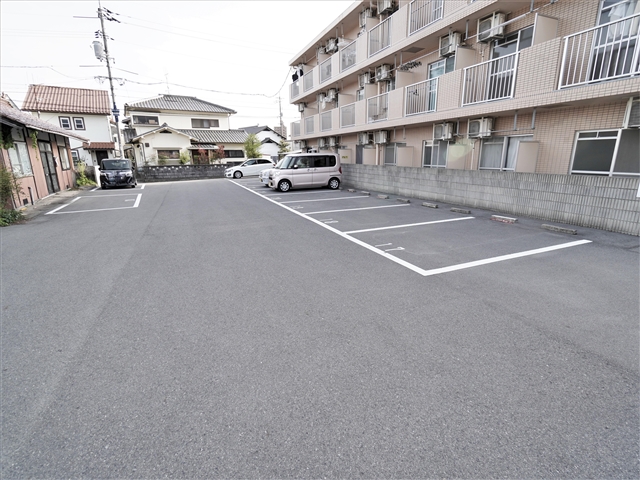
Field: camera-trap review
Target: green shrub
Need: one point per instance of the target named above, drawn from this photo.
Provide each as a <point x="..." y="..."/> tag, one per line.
<point x="8" y="217"/>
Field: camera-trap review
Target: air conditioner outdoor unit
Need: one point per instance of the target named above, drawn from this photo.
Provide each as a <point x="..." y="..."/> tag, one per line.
<point x="333" y="141"/>
<point x="381" y="136"/>
<point x="301" y="107"/>
<point x="332" y="45"/>
<point x="365" y="138"/>
<point x="343" y="42"/>
<point x="383" y="72"/>
<point x="321" y="97"/>
<point x="632" y="114"/>
<point x="299" y="144"/>
<point x="322" y="143"/>
<point x="331" y="95"/>
<point x="365" y="78"/>
<point x="385" y="6"/>
<point x="490" y="28"/>
<point x="366" y="13"/>
<point x="480" y="128"/>
<point x="443" y="131"/>
<point x="449" y="43"/>
<point x="321" y="50"/>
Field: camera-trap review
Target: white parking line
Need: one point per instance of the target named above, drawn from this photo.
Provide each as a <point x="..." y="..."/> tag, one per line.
<point x="135" y="205"/>
<point x="326" y="199"/>
<point x="410" y="266"/>
<point x="354" y="209"/>
<point x="409" y="225"/>
<point x="298" y="193"/>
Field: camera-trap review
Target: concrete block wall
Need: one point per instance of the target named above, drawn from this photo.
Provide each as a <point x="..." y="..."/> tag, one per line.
<point x="607" y="203"/>
<point x="169" y="173"/>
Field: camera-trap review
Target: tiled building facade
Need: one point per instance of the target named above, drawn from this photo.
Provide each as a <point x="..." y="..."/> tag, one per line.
<point x="540" y="86"/>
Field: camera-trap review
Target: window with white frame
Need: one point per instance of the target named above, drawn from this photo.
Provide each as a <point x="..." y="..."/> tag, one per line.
<point x="78" y="123"/>
<point x="607" y="152"/>
<point x="613" y="10"/>
<point x="441" y="67"/>
<point x="391" y="153"/>
<point x="204" y="123"/>
<point x="19" y="156"/>
<point x="434" y="153"/>
<point x="360" y="94"/>
<point x="62" y="153"/>
<point x="145" y="120"/>
<point x="512" y="42"/>
<point x="75" y="157"/>
<point x="65" y="122"/>
<point x="501" y="153"/>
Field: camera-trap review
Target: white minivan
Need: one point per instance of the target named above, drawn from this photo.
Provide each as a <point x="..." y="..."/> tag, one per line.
<point x="307" y="170"/>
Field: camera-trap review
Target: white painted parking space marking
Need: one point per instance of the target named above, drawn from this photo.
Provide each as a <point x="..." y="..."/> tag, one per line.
<point x="326" y="199"/>
<point x="354" y="209"/>
<point x="300" y="193"/>
<point x="384" y="244"/>
<point x="393" y="249"/>
<point x="135" y="205"/>
<point x="409" y="225"/>
<point x="93" y="189"/>
<point x="297" y="207"/>
<point x="412" y="267"/>
<point x="142" y="186"/>
<point x="332" y="221"/>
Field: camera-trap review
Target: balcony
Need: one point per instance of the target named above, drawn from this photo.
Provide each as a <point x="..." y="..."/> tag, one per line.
<point x="295" y="89"/>
<point x="491" y="80"/>
<point x="325" y="70"/>
<point x="377" y="108"/>
<point x="348" y="115"/>
<point x="380" y="37"/>
<point x="308" y="125"/>
<point x="307" y="81"/>
<point x="606" y="52"/>
<point x="421" y="97"/>
<point x="295" y="129"/>
<point x="325" y="121"/>
<point x="348" y="56"/>
<point x="423" y="13"/>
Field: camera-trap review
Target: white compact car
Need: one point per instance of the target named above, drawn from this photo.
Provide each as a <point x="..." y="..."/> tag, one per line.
<point x="253" y="166"/>
<point x="307" y="170"/>
<point x="264" y="174"/>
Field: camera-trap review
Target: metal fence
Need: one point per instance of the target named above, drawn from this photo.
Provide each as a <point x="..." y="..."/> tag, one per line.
<point x="348" y="115"/>
<point x="423" y="13"/>
<point x="348" y="56"/>
<point x="377" y="108"/>
<point x="421" y="97"/>
<point x="380" y="37"/>
<point x="325" y="70"/>
<point x="295" y="89"/>
<point x="491" y="80"/>
<point x="307" y="81"/>
<point x="325" y="121"/>
<point x="295" y="129"/>
<point x="308" y="125"/>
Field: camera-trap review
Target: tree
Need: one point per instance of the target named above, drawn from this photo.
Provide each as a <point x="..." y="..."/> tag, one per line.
<point x="219" y="155"/>
<point x="203" y="156"/>
<point x="283" y="147"/>
<point x="252" y="146"/>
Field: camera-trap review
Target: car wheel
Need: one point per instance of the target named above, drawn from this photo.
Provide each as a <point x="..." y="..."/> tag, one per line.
<point x="133" y="186"/>
<point x="334" y="183"/>
<point x="237" y="174"/>
<point x="102" y="186"/>
<point x="284" y="186"/>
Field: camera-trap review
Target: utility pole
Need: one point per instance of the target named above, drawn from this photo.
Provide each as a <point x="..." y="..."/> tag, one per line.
<point x="102" y="14"/>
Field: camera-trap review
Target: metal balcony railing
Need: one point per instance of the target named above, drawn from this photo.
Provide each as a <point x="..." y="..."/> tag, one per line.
<point x="348" y="115"/>
<point x="492" y="80"/>
<point x="308" y="125"/>
<point x="380" y="37"/>
<point x="605" y="52"/>
<point x="307" y="81"/>
<point x="295" y="129"/>
<point x="377" y="108"/>
<point x="348" y="56"/>
<point x="325" y="70"/>
<point x="423" y="13"/>
<point x="421" y="97"/>
<point x="295" y="89"/>
<point x="325" y="121"/>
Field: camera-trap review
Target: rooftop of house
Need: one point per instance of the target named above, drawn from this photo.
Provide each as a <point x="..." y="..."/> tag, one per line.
<point x="176" y="103"/>
<point x="46" y="98"/>
<point x="259" y="128"/>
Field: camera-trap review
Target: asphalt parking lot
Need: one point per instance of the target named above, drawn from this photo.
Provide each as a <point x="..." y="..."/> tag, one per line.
<point x="220" y="329"/>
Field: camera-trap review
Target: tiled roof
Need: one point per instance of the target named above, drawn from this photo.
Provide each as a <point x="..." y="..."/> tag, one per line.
<point x="163" y="128"/>
<point x="217" y="136"/>
<point x="44" y="98"/>
<point x="204" y="146"/>
<point x="177" y="103"/>
<point x="9" y="115"/>
<point x="99" y="146"/>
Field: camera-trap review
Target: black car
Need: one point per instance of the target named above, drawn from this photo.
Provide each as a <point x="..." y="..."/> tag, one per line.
<point x="117" y="172"/>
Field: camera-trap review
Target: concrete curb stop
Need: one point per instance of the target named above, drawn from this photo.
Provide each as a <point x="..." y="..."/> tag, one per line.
<point x="554" y="228"/>
<point x="383" y="197"/>
<point x="461" y="210"/>
<point x="430" y="205"/>
<point x="403" y="200"/>
<point x="500" y="218"/>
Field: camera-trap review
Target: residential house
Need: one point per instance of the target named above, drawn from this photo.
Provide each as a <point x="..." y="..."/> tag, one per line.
<point x="269" y="138"/>
<point x="545" y="87"/>
<point x="81" y="110"/>
<point x="38" y="153"/>
<point x="159" y="129"/>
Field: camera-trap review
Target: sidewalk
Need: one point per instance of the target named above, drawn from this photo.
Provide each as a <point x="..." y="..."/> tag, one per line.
<point x="48" y="203"/>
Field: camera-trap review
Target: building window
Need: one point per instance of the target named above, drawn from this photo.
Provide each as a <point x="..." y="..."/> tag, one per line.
<point x="168" y="154"/>
<point x="360" y="94"/>
<point x="607" y="152"/>
<point x="19" y="156"/>
<point x="391" y="153"/>
<point x="64" y="157"/>
<point x="65" y="122"/>
<point x="613" y="10"/>
<point x="204" y="123"/>
<point x="78" y="123"/>
<point x="441" y="67"/>
<point x="145" y="120"/>
<point x="75" y="157"/>
<point x="501" y="153"/>
<point x="434" y="154"/>
<point x="513" y="42"/>
<point x="233" y="154"/>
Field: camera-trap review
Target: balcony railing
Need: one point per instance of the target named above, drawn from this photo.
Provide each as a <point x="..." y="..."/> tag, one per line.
<point x="377" y="108"/>
<point x="295" y="129"/>
<point x="348" y="115"/>
<point x="492" y="80"/>
<point x="308" y="125"/>
<point x="325" y="121"/>
<point x="605" y="52"/>
<point x="295" y="89"/>
<point x="423" y="13"/>
<point x="325" y="70"/>
<point x="421" y="97"/>
<point x="348" y="56"/>
<point x="380" y="37"/>
<point x="307" y="81"/>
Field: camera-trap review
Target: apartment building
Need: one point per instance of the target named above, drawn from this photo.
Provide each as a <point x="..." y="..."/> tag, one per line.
<point x="508" y="86"/>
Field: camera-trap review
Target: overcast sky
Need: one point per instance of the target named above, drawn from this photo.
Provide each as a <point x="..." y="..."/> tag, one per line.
<point x="232" y="53"/>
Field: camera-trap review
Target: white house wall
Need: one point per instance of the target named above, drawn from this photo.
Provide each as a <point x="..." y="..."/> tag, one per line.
<point x="179" y="120"/>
